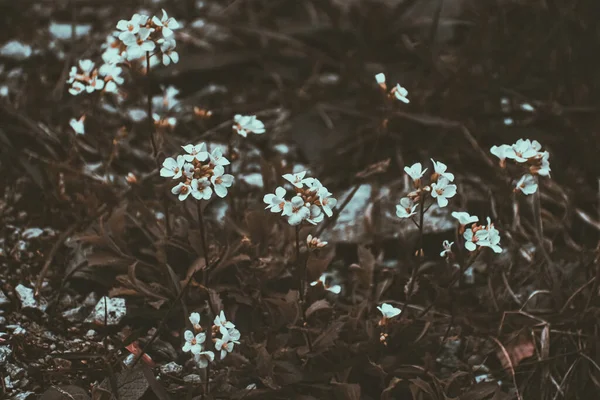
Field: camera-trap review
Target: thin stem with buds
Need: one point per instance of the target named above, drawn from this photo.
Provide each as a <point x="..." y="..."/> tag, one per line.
<point x="302" y="281"/>
<point x="149" y="110"/>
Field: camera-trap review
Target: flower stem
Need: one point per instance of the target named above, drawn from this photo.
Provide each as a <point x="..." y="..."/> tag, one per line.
<point x="302" y="279"/>
<point x="207" y="382"/>
<point x="149" y="110"/>
<point x="203" y="240"/>
<point x="419" y="254"/>
<point x="537" y="214"/>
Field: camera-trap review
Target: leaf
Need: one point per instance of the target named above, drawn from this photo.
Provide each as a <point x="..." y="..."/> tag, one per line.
<point x="367" y="264"/>
<point x="286" y="373"/>
<point x="317" y="264"/>
<point x="215" y="301"/>
<point x="517" y="350"/>
<point x="326" y="339"/>
<point x="316" y="306"/>
<point x="68" y="392"/>
<point x="479" y="391"/>
<point x="106" y="259"/>
<point x="419" y="386"/>
<point x="131" y="384"/>
<point x="156" y="387"/>
<point x="346" y="391"/>
<point x="387" y="393"/>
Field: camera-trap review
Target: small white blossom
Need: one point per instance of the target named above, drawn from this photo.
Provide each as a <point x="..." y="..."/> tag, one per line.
<point x="327" y="202"/>
<point x="221" y="321"/>
<point x="388" y="311"/>
<point x="275" y="202"/>
<point x="245" y="124"/>
<point x="400" y="93"/>
<point x="335" y="289"/>
<point x="313" y="242"/>
<point x="203" y="358"/>
<point x="217" y="158"/>
<point x="182" y="190"/>
<point x="447" y="248"/>
<point x="197" y="152"/>
<point x="406" y="208"/>
<point x="193" y="342"/>
<point x="316" y="215"/>
<point x="171" y="168"/>
<point x="464" y="218"/>
<point x="442" y="190"/>
<point x="77" y="125"/>
<point x="76" y="88"/>
<point x="221" y="181"/>
<point x="195" y="320"/>
<point x="296" y="211"/>
<point x="415" y="171"/>
<point x="225" y="343"/>
<point x="298" y="179"/>
<point x="167" y="23"/>
<point x="380" y="79"/>
<point x="138" y="44"/>
<point x="543" y="168"/>
<point x="132" y="26"/>
<point x="440" y="169"/>
<point x="201" y="189"/>
<point x="169" y="54"/>
<point x="503" y="152"/>
<point x="527" y="184"/>
<point x="524" y="149"/>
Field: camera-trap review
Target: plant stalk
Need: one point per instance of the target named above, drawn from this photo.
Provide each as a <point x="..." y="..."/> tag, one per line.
<point x="204" y="242"/>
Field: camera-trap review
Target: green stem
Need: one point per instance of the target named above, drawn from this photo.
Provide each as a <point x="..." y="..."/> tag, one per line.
<point x="204" y="242"/>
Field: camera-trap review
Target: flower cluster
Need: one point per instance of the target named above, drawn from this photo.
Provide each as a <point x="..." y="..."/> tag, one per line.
<point x="196" y="171"/>
<point x="397" y="92"/>
<point x="528" y="153"/>
<point x="195" y="340"/>
<point x="309" y="204"/>
<point x="245" y="124"/>
<point x="477" y="235"/>
<point x="142" y="34"/>
<point x="440" y="188"/>
<point x="85" y="77"/>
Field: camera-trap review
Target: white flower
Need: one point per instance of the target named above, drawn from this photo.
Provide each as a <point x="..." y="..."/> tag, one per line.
<point x="543" y="168"/>
<point x="203" y="358"/>
<point x="440" y="169"/>
<point x="388" y="310"/>
<point x="216" y="157"/>
<point x="221" y="321"/>
<point x="442" y="190"/>
<point x="87" y="66"/>
<point x="94" y="84"/>
<point x="380" y="79"/>
<point x="132" y="26"/>
<point x="198" y="152"/>
<point x="297" y="179"/>
<point x="400" y="93"/>
<point x="193" y="343"/>
<point x="221" y="181"/>
<point x="313" y="242"/>
<point x="490" y="237"/>
<point x="316" y="215"/>
<point x="527" y="184"/>
<point x="201" y="189"/>
<point x="464" y="218"/>
<point x="275" y="202"/>
<point x="167" y="48"/>
<point x="112" y="72"/>
<point x="182" y="190"/>
<point x="76" y="88"/>
<point x="77" y="125"/>
<point x="503" y="152"/>
<point x="415" y="171"/>
<point x="245" y="124"/>
<point x="113" y="55"/>
<point x="225" y="343"/>
<point x="470" y="240"/>
<point x="167" y="23"/>
<point x="138" y="45"/>
<point x="195" y="320"/>
<point x="171" y="168"/>
<point x="327" y="202"/>
<point x="406" y="208"/>
<point x="447" y="248"/>
<point x="523" y="150"/>
<point x="335" y="289"/>
<point x="296" y="211"/>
